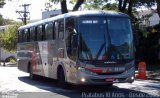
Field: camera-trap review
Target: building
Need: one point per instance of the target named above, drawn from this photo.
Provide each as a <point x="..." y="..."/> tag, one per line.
<point x="52" y="13"/>
<point x="149" y="17"/>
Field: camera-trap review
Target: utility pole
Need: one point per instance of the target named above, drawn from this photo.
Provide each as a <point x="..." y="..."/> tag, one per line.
<point x="23" y="15"/>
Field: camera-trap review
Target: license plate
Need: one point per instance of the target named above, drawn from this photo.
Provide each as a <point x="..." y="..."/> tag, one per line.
<point x="110" y="79"/>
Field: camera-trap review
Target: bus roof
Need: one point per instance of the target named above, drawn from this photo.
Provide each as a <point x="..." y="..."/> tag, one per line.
<point x="97" y="13"/>
<point x="77" y="14"/>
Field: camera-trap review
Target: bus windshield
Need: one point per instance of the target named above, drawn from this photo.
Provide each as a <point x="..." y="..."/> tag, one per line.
<point x="105" y="39"/>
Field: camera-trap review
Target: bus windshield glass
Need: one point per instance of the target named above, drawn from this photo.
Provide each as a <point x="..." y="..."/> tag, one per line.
<point x="105" y="39"/>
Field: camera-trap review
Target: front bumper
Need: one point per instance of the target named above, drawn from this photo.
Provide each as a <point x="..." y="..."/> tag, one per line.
<point x="87" y="79"/>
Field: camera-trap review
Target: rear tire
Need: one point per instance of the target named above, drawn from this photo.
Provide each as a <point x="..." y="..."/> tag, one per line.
<point x="31" y="75"/>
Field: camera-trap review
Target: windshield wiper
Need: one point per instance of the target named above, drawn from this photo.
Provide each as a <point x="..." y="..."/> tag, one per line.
<point x="99" y="51"/>
<point x="101" y="48"/>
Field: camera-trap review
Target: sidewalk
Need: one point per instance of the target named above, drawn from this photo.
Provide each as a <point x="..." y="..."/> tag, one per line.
<point x="153" y="75"/>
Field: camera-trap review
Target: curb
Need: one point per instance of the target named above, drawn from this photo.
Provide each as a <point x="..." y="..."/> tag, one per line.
<point x="149" y="76"/>
<point x="153" y="79"/>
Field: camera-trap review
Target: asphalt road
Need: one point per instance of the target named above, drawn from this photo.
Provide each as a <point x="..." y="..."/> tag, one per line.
<point x="16" y="84"/>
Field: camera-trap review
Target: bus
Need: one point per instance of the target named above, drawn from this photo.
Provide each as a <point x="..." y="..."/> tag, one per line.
<point x="80" y="48"/>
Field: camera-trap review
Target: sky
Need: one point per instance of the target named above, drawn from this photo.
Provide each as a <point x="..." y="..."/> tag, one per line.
<point x="36" y="8"/>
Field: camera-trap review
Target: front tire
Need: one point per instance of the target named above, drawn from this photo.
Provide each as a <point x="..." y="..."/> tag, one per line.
<point x="61" y="78"/>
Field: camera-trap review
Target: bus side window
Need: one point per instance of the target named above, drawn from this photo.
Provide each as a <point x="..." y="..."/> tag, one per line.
<point x="28" y="35"/>
<point x="54" y="33"/>
<point x="43" y="33"/>
<point x="49" y="31"/>
<point x="21" y="35"/>
<point x="39" y="33"/>
<point x="32" y="34"/>
<point x="25" y="34"/>
<point x="36" y="34"/>
<point x="60" y="29"/>
<point x="56" y="29"/>
<point x="71" y="39"/>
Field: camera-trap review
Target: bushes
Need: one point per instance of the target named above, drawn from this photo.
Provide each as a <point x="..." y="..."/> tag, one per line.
<point x="148" y="49"/>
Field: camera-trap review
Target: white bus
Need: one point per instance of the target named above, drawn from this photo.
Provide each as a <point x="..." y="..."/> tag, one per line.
<point x="83" y="47"/>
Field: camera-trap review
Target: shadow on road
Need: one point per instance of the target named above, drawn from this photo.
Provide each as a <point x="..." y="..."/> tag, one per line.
<point x="82" y="92"/>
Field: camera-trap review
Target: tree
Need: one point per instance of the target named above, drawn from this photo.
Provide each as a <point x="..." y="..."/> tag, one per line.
<point x="2" y="3"/>
<point x="100" y="5"/>
<point x="9" y="38"/>
<point x="158" y="7"/>
<point x="1" y="20"/>
<point x="149" y="4"/>
<point x="5" y="21"/>
<point x="123" y="4"/>
<point x="63" y="3"/>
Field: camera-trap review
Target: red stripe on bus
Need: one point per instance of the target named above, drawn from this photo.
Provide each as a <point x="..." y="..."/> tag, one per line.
<point x="95" y="70"/>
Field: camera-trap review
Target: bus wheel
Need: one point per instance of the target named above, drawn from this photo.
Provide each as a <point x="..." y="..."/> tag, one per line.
<point x="31" y="75"/>
<point x="61" y="78"/>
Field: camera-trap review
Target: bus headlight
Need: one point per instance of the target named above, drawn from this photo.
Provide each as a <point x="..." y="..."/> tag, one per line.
<point x="83" y="80"/>
<point x="132" y="78"/>
<point x="86" y="71"/>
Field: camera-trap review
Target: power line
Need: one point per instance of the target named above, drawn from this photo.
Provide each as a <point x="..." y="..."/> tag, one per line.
<point x="23" y="15"/>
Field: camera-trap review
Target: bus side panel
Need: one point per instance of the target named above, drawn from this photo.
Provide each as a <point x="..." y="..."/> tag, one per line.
<point x="54" y="53"/>
<point x="68" y="65"/>
<point x="22" y="65"/>
<point x="43" y="56"/>
<point x="24" y="56"/>
<point x="52" y="58"/>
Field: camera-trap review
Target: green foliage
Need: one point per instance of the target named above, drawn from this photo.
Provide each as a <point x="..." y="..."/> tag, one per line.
<point x="55" y="1"/>
<point x="1" y="20"/>
<point x="145" y="3"/>
<point x="63" y="3"/>
<point x="95" y="4"/>
<point x="2" y="3"/>
<point x="148" y="4"/>
<point x="5" y="21"/>
<point x="72" y="1"/>
<point x="9" y="38"/>
<point x="12" y="60"/>
<point x="58" y="1"/>
<point x="110" y="6"/>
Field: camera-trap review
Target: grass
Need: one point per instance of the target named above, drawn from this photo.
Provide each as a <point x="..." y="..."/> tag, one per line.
<point x="12" y="61"/>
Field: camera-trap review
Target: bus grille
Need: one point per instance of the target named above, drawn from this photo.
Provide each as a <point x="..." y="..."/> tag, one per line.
<point x="103" y="80"/>
<point x="115" y="73"/>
